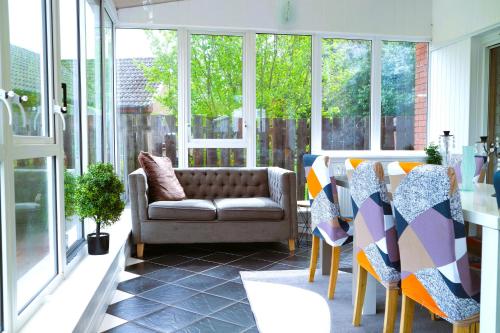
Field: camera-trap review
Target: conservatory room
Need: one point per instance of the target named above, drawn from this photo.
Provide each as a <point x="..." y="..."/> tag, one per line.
<point x="267" y="166"/>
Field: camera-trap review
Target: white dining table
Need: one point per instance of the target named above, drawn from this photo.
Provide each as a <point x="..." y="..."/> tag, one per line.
<point x="480" y="208"/>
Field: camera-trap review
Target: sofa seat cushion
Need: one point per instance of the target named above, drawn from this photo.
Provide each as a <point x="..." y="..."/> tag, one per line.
<point x="187" y="210"/>
<point x="247" y="209"/>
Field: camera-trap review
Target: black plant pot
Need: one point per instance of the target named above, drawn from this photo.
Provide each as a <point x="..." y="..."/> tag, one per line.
<point x="98" y="246"/>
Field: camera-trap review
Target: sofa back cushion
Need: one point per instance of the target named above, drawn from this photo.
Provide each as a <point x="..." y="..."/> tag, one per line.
<point x="162" y="182"/>
<point x="212" y="183"/>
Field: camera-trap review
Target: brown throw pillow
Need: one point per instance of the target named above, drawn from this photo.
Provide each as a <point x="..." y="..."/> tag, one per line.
<point x="162" y="182"/>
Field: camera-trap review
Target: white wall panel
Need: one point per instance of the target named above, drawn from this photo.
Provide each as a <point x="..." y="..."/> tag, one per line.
<point x="449" y="104"/>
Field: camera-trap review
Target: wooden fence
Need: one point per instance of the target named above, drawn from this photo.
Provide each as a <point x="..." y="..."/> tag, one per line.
<point x="280" y="142"/>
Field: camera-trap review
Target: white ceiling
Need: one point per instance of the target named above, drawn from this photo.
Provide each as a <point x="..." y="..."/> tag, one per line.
<point x="137" y="3"/>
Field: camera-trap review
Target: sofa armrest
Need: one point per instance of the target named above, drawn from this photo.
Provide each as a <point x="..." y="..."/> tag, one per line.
<point x="138" y="187"/>
<point x="283" y="190"/>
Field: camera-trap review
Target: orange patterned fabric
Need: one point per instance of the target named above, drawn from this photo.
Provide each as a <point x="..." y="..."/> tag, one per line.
<point x="416" y="291"/>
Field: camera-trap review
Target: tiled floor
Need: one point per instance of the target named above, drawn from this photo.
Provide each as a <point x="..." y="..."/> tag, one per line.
<point x="196" y="288"/>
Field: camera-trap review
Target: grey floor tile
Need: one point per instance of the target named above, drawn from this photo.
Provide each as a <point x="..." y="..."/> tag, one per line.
<point x="224" y="272"/>
<point x="169" y="294"/>
<point x="138" y="285"/>
<point x="238" y="313"/>
<point x="130" y="327"/>
<point x="171" y="260"/>
<point x="144" y="267"/>
<point x="200" y="282"/>
<point x="169" y="274"/>
<point x="221" y="257"/>
<point x="231" y="290"/>
<point x="169" y="319"/>
<point x="197" y="265"/>
<point x="203" y="303"/>
<point x="250" y="263"/>
<point x="133" y="308"/>
<point x="211" y="325"/>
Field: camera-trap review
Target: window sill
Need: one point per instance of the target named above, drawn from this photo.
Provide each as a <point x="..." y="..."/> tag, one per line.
<point x="79" y="302"/>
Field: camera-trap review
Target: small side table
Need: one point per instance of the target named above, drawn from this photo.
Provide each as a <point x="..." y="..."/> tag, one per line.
<point x="304" y="222"/>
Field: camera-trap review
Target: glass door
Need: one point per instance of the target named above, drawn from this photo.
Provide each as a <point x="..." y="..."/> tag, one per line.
<point x="69" y="74"/>
<point x="30" y="156"/>
<point x="217" y="135"/>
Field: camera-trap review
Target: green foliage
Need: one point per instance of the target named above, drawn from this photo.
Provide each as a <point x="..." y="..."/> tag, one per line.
<point x="283" y="80"/>
<point x="70" y="183"/>
<point x="98" y="195"/>
<point x="433" y="154"/>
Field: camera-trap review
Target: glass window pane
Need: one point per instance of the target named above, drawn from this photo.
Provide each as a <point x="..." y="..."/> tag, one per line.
<point x="217" y="157"/>
<point x="109" y="149"/>
<point x="146" y="101"/>
<point x="36" y="257"/>
<point x="94" y="93"/>
<point x="283" y="86"/>
<point x="346" y="71"/>
<point x="216" y="87"/>
<point x="70" y="76"/>
<point x="28" y="66"/>
<point x="404" y="95"/>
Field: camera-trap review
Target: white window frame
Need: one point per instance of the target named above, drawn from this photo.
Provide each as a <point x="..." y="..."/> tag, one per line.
<point x="248" y="141"/>
<point x="375" y="150"/>
<point x="217" y="143"/>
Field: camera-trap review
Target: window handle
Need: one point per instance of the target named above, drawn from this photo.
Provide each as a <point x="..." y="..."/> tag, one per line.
<point x="64" y="107"/>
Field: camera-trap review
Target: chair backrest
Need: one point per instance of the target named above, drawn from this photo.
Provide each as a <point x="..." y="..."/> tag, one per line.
<point x="398" y="170"/>
<point x="496" y="183"/>
<point x="375" y="240"/>
<point x="432" y="243"/>
<point x="325" y="211"/>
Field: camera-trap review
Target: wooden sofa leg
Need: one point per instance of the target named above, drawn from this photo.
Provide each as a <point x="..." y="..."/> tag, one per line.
<point x="140" y="250"/>
<point x="291" y="245"/>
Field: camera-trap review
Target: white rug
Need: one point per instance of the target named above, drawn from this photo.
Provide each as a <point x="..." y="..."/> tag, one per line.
<point x="284" y="301"/>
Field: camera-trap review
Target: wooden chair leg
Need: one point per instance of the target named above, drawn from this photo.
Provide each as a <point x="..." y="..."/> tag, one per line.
<point x="334" y="271"/>
<point x="360" y="296"/>
<point x="407" y="310"/>
<point x="391" y="308"/>
<point x="291" y="245"/>
<point x="140" y="250"/>
<point x="314" y="257"/>
<point x="472" y="328"/>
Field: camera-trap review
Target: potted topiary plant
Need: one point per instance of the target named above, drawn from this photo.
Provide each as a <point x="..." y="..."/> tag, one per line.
<point x="433" y="154"/>
<point x="98" y="196"/>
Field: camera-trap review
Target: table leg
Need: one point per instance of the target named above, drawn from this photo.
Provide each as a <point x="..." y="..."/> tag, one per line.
<point x="326" y="258"/>
<point x="490" y="281"/>
<point x="370" y="303"/>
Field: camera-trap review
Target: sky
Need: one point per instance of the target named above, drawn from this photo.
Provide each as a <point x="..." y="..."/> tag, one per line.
<point x="26" y="33"/>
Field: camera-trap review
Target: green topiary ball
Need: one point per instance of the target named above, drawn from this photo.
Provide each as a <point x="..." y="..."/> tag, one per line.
<point x="98" y="194"/>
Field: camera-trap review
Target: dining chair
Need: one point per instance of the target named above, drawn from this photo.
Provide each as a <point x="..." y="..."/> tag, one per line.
<point x="375" y="239"/>
<point x="398" y="170"/>
<point x="326" y="222"/>
<point x="435" y="269"/>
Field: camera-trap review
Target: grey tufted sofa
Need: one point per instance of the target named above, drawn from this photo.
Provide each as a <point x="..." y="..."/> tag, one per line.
<point x="221" y="205"/>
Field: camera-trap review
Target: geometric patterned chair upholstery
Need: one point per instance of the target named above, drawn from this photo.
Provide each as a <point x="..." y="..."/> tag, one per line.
<point x="325" y="211"/>
<point x="398" y="170"/>
<point x="435" y="269"/>
<point x="375" y="239"/>
<point x="326" y="222"/>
